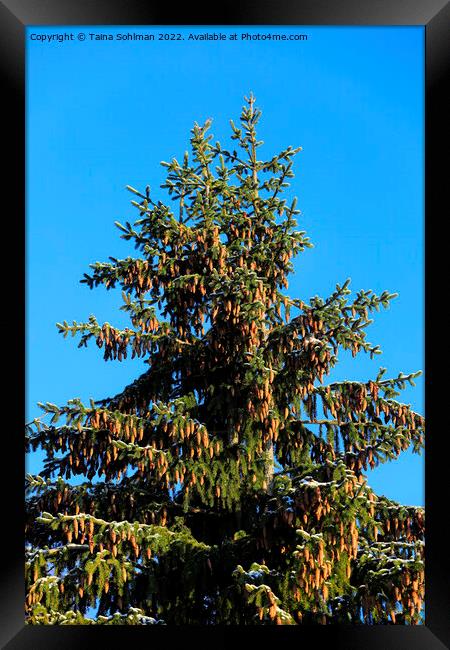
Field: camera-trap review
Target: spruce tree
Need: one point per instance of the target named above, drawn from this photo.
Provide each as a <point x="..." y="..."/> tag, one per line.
<point x="227" y="483"/>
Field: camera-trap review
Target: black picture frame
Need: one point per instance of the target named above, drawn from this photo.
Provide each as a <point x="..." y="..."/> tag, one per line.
<point x="15" y="16"/>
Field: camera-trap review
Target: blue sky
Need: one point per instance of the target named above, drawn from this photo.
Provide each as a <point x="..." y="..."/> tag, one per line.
<point x="101" y="115"/>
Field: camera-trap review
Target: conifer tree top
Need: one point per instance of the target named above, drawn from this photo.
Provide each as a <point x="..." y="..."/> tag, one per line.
<point x="233" y="476"/>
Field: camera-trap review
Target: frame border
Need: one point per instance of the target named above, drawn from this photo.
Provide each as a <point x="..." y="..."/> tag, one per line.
<point x="15" y="16"/>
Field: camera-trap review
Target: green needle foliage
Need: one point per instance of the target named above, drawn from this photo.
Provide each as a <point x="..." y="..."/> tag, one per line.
<point x="226" y="484"/>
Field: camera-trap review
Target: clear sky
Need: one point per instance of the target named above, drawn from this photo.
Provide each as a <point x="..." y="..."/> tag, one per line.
<point x="103" y="114"/>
